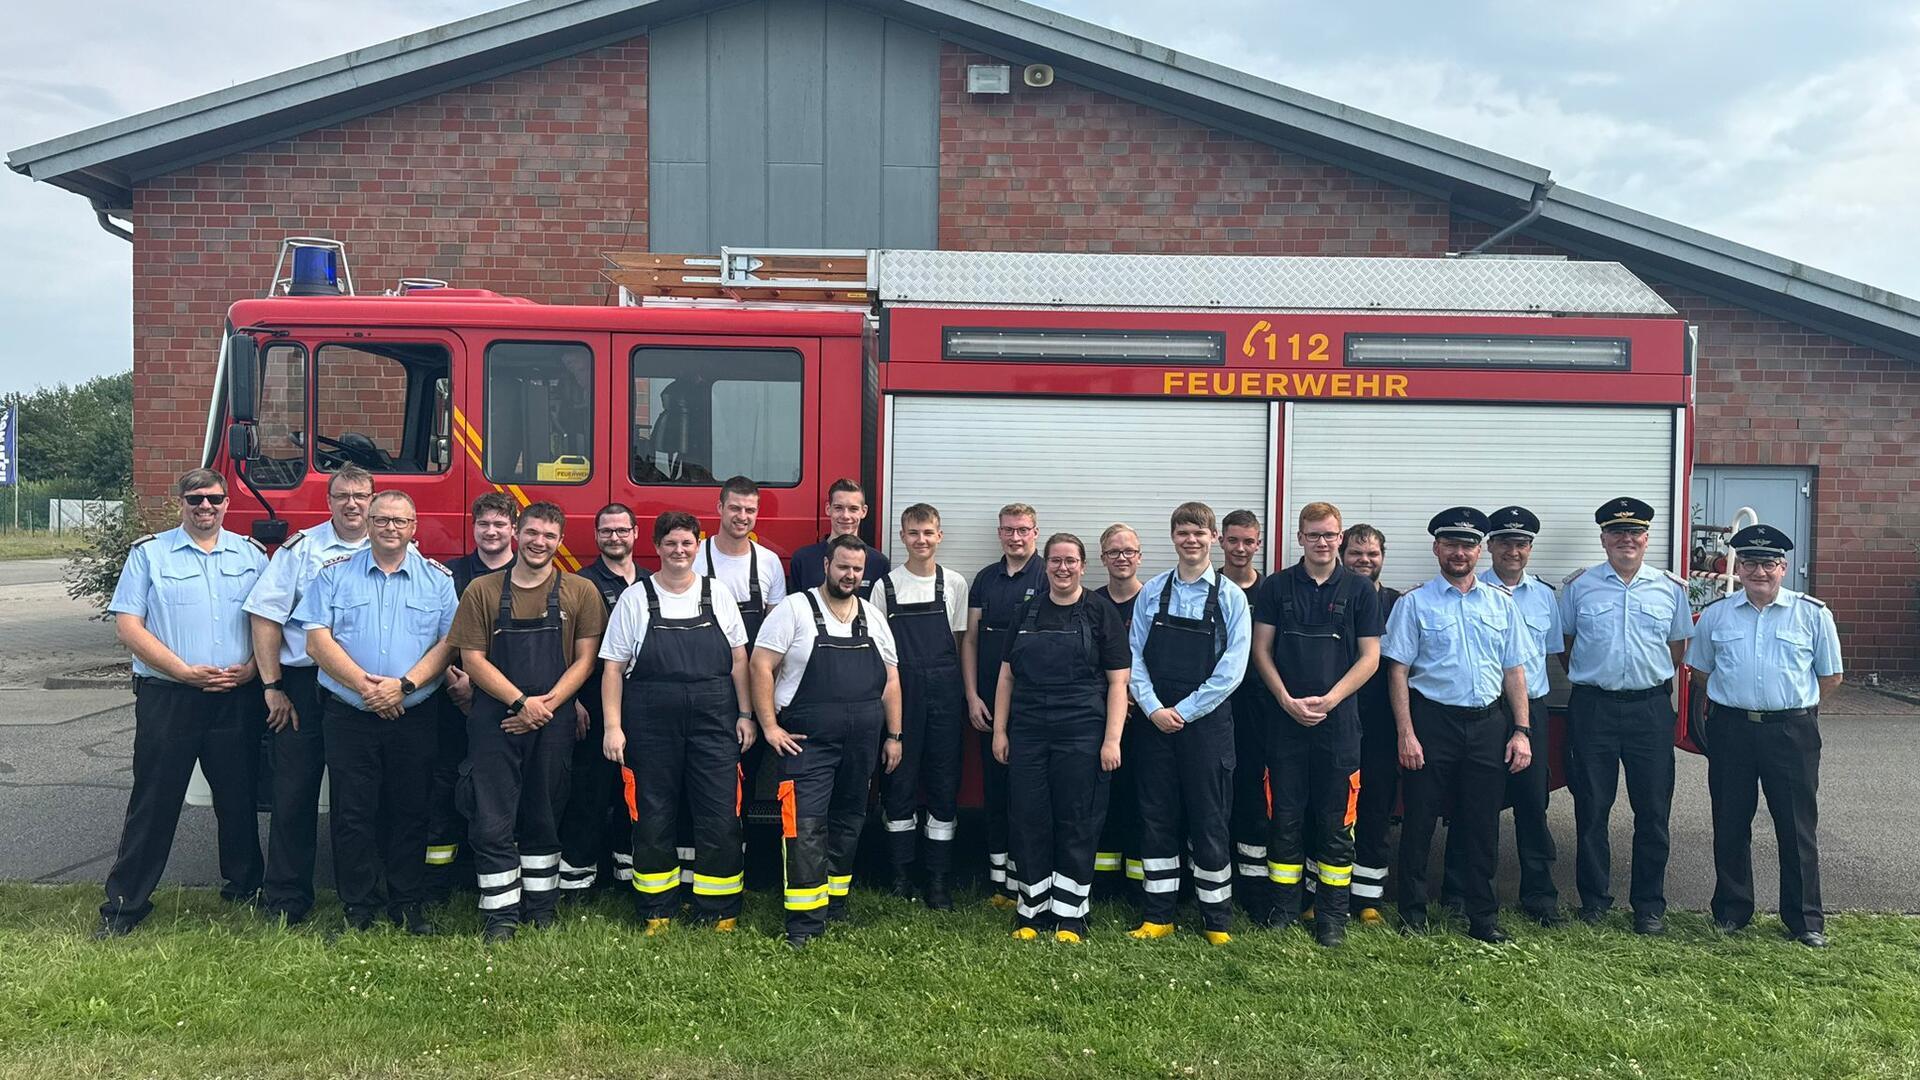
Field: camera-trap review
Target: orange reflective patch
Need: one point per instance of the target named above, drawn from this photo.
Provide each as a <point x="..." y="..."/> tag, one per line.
<point x="633" y="806"/>
<point x="739" y="786"/>
<point x="789" y="812"/>
<point x="1266" y="785"/>
<point x="1353" y="798"/>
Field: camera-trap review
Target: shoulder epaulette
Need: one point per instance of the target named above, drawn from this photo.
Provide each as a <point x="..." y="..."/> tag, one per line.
<point x="293" y="540"/>
<point x="1714" y="601"/>
<point x="334" y="560"/>
<point x="1814" y="600"/>
<point x="1675" y="578"/>
<point x="438" y="565"/>
<point x="1550" y="585"/>
<point x="257" y="545"/>
<point x="142" y="540"/>
<point x="1573" y="577"/>
<point x="1498" y="586"/>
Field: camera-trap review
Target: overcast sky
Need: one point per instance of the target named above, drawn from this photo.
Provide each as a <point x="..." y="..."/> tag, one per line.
<point x="1792" y="126"/>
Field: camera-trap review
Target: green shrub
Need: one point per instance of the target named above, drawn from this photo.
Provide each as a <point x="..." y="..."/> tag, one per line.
<point x="94" y="568"/>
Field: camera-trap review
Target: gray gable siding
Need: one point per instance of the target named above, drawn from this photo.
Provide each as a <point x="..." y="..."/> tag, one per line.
<point x="796" y="123"/>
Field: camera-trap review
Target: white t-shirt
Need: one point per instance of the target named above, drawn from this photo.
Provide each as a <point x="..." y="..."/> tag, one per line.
<point x="627" y="624"/>
<point x="789" y="631"/>
<point x="731" y="570"/>
<point x="914" y="589"/>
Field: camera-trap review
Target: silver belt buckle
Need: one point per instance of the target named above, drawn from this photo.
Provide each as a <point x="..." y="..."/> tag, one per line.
<point x="1756" y="717"/>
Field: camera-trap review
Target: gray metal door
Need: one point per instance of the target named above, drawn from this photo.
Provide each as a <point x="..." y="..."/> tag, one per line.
<point x="1781" y="495"/>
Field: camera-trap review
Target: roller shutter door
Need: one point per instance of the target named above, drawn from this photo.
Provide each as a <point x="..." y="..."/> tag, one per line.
<point x="1083" y="464"/>
<point x="1394" y="466"/>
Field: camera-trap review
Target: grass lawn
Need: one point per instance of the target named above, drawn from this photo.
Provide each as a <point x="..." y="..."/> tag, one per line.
<point x="203" y="989"/>
<point x="36" y="545"/>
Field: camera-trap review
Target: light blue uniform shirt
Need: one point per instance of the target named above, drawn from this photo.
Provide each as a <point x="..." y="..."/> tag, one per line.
<point x="1457" y="645"/>
<point x="385" y="622"/>
<point x="1190" y="602"/>
<point x="1620" y="629"/>
<point x="287" y="577"/>
<point x="191" y="599"/>
<point x="1765" y="659"/>
<point x="1540" y="612"/>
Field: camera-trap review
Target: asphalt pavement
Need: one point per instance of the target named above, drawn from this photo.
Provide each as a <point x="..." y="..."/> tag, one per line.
<point x="66" y="759"/>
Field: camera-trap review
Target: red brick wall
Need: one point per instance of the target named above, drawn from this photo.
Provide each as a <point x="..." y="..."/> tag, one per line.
<point x="1070" y="169"/>
<point x="516" y="184"/>
<point x="1769" y="392"/>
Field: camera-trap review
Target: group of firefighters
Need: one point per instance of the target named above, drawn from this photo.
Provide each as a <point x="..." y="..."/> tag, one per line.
<point x="1243" y="735"/>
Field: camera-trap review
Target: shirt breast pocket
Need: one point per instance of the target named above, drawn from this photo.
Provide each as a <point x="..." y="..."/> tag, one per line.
<point x="181" y="586"/>
<point x="351" y="618"/>
<point x="1438" y="631"/>
<point x="1654" y="613"/>
<point x="236" y="582"/>
<point x="1537" y="626"/>
<point x="1597" y="617"/>
<point x="1795" y="647"/>
<point x="423" y="617"/>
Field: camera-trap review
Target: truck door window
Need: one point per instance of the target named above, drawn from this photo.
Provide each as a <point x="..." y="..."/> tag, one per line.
<point x="281" y="432"/>
<point x="380" y="406"/>
<point x="703" y="415"/>
<point x="539" y="422"/>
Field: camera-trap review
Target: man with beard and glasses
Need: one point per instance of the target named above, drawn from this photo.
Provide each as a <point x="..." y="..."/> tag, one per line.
<point x="1363" y="551"/>
<point x="1455" y="647"/>
<point x="585" y="820"/>
<point x="178" y="608"/>
<point x="826" y="691"/>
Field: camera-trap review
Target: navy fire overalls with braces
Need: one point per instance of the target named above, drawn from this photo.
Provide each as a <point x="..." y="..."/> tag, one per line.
<point x="1184" y="779"/>
<point x="515" y="784"/>
<point x="823" y="788"/>
<point x="1313" y="772"/>
<point x="1057" y="789"/>
<point x="678" y="710"/>
<point x="756" y="776"/>
<point x="932" y="716"/>
<point x="990" y="652"/>
<point x="585" y="820"/>
<point x="1250" y="817"/>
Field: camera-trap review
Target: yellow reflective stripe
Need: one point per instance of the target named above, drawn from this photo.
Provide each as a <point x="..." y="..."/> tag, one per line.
<point x="441" y="854"/>
<point x="1106" y="860"/>
<point x="838" y="884"/>
<point x="660" y="882"/>
<point x="1286" y="873"/>
<point x="1136" y="870"/>
<point x="806" y="899"/>
<point x="1334" y="875"/>
<point x="712" y="885"/>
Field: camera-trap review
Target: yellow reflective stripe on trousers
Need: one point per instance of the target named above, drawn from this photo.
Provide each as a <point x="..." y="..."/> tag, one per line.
<point x="1106" y="860"/>
<point x="441" y="854"/>
<point x="1135" y="870"/>
<point x="1330" y="874"/>
<point x="838" y="884"/>
<point x="710" y="885"/>
<point x="662" y="881"/>
<point x="1286" y="873"/>
<point x="807" y="899"/>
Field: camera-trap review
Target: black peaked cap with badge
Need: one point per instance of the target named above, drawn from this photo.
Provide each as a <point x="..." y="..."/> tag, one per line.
<point x="1513" y="521"/>
<point x="1760" y="542"/>
<point x="1459" y="523"/>
<point x="1625" y="512"/>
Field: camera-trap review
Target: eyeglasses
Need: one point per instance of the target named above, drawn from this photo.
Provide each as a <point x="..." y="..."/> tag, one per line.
<point x="1122" y="554"/>
<point x="1063" y="560"/>
<point x="391" y="522"/>
<point x="613" y="532"/>
<point x="1017" y="530"/>
<point x="1322" y="537"/>
<point x="203" y="500"/>
<point x="350" y="496"/>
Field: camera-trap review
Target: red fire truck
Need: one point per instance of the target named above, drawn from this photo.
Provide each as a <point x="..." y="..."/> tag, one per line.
<point x="1098" y="388"/>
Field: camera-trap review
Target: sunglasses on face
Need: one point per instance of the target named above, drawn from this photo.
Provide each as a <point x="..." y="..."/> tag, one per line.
<point x="203" y="500"/>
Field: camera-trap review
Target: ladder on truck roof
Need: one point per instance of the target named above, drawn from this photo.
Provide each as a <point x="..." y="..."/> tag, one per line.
<point x="1261" y="283"/>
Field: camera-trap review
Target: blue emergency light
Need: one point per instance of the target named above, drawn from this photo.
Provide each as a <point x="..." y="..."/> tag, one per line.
<point x="316" y="271"/>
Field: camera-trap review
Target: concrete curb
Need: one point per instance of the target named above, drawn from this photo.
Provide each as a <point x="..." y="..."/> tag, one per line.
<point x="1897" y="695"/>
<point x="65" y="682"/>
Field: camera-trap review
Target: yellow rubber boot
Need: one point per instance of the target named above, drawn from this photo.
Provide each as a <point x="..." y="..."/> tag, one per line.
<point x="1066" y="936"/>
<point x="1026" y="933"/>
<point x="726" y="926"/>
<point x="1001" y="901"/>
<point x="1307" y="915"/>
<point x="1147" y="931"/>
<point x="1217" y="937"/>
<point x="656" y="927"/>
<point x="1371" y="916"/>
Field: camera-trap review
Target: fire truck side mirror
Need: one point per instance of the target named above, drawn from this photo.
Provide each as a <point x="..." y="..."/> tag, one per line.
<point x="240" y="445"/>
<point x="243" y="391"/>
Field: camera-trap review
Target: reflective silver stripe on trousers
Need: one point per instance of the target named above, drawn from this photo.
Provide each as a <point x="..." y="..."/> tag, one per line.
<point x="935" y="829"/>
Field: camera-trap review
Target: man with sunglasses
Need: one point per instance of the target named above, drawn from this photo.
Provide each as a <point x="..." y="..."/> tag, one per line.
<point x="179" y="608"/>
<point x="585" y="820"/>
<point x="291" y="680"/>
<point x="1627" y="626"/>
<point x="1761" y="661"/>
<point x="377" y="623"/>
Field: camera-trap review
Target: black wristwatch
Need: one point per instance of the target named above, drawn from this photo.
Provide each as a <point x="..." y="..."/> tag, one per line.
<point x="406" y="685"/>
<point x="1518" y="730"/>
<point x="274" y="685"/>
<point x="518" y="704"/>
<point x="893" y="736"/>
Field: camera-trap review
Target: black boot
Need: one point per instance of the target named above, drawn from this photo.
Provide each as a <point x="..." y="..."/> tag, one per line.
<point x="939" y="896"/>
<point x="902" y="883"/>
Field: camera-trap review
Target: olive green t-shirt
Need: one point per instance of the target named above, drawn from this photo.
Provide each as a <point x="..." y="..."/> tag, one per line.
<point x="582" y="613"/>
